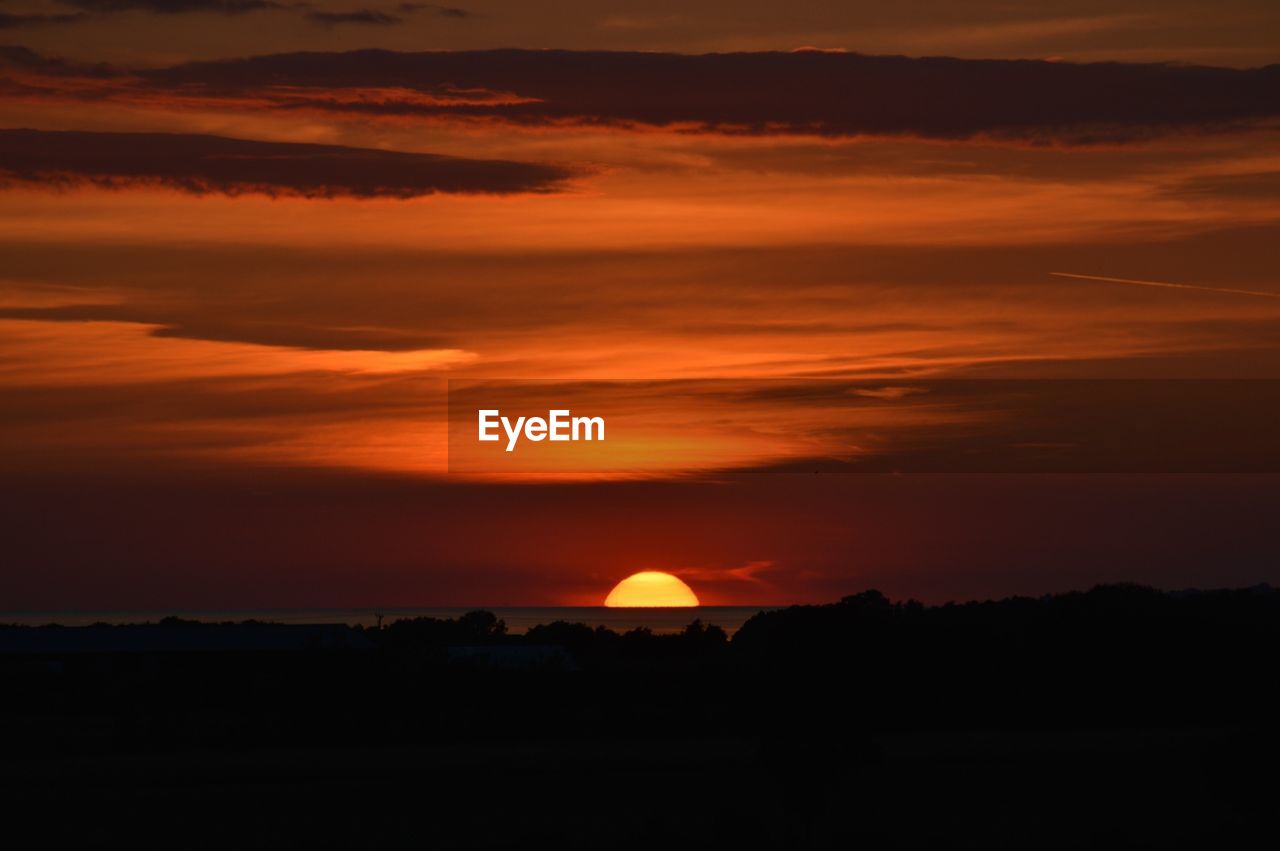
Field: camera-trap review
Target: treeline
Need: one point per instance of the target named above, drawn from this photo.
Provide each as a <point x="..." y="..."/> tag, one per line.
<point x="1113" y="654"/>
<point x="589" y="646"/>
<point x="1113" y="621"/>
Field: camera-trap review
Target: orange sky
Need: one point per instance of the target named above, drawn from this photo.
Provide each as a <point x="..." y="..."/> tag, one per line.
<point x="172" y="308"/>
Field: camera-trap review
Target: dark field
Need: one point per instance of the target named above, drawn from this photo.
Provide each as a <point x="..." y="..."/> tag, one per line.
<point x="1121" y="717"/>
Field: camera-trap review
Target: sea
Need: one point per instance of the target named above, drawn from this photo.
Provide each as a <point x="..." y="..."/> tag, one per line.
<point x="517" y="619"/>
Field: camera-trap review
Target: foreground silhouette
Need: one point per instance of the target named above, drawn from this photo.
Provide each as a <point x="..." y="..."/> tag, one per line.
<point x="1122" y="716"/>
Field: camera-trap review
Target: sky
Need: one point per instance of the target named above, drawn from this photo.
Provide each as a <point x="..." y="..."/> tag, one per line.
<point x="949" y="302"/>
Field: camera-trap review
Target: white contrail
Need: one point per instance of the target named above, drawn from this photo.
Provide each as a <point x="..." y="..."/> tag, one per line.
<point x="1165" y="285"/>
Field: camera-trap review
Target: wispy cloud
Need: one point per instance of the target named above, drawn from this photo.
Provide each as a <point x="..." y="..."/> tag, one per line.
<point x="751" y="572"/>
<point x="330" y="17"/>
<point x="174" y="7"/>
<point x="204" y="164"/>
<point x="34" y="19"/>
<point x="437" y="9"/>
<point x="370" y="17"/>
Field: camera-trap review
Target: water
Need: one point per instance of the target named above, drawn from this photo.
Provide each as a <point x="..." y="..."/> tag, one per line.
<point x="518" y="619"/>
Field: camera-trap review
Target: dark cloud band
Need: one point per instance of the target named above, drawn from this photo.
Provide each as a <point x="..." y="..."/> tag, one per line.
<point x="371" y="17"/>
<point x="235" y="7"/>
<point x="205" y="164"/>
<point x="808" y="92"/>
<point x="173" y="7"/>
<point x="23" y="19"/>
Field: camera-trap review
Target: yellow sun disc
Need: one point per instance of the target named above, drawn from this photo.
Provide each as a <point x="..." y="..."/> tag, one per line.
<point x="651" y="588"/>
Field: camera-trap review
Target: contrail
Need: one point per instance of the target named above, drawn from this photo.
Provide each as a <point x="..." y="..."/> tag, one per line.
<point x="1165" y="285"/>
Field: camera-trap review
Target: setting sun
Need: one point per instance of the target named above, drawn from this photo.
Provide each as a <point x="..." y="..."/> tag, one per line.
<point x="651" y="588"/>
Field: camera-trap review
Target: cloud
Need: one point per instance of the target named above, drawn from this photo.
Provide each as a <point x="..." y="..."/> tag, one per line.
<point x="228" y="323"/>
<point x="356" y="16"/>
<point x="24" y="58"/>
<point x="809" y="92"/>
<point x="173" y="7"/>
<point x="18" y="21"/>
<point x="748" y="573"/>
<point x="1250" y="186"/>
<point x="883" y="307"/>
<point x="440" y="11"/>
<point x="237" y="7"/>
<point x="209" y="164"/>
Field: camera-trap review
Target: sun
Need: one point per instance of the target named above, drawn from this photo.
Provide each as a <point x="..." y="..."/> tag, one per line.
<point x="651" y="588"/>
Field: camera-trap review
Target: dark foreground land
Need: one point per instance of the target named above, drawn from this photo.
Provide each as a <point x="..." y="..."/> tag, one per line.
<point x="1120" y="717"/>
